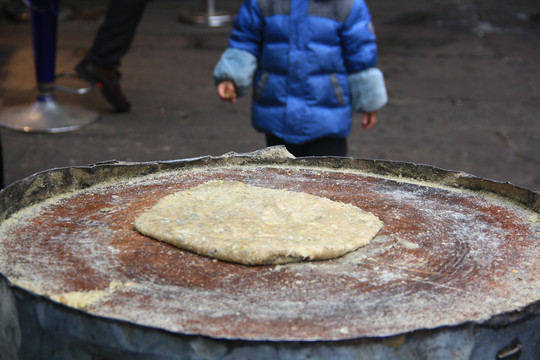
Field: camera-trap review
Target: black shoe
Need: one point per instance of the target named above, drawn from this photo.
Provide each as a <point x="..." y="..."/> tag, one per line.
<point x="107" y="80"/>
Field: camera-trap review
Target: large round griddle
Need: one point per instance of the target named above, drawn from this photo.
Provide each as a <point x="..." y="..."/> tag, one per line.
<point x="454" y="249"/>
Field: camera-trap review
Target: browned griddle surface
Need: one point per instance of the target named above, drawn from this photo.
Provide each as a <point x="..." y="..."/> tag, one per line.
<point x="444" y="256"/>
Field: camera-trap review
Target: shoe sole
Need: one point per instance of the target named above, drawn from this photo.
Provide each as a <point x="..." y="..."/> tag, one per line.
<point x="120" y="107"/>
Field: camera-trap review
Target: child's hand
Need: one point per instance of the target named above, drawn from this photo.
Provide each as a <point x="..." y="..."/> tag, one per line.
<point x="369" y="120"/>
<point x="227" y="91"/>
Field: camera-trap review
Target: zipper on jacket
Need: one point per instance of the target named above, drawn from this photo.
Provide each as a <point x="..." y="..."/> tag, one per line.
<point x="260" y="86"/>
<point x="337" y="89"/>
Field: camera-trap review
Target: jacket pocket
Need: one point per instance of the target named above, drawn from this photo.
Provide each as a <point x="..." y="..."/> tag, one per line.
<point x="260" y="86"/>
<point x="338" y="91"/>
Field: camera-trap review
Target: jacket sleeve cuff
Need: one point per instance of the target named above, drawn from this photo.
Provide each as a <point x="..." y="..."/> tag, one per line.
<point x="368" y="91"/>
<point x="238" y="66"/>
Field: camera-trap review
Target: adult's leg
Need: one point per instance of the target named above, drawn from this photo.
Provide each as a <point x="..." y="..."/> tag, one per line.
<point x="115" y="35"/>
<point x="113" y="40"/>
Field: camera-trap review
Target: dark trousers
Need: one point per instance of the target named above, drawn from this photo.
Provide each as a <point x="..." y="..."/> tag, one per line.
<point x="318" y="147"/>
<point x="115" y="35"/>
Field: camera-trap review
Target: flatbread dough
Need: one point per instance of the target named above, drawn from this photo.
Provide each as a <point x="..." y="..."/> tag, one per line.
<point x="236" y="222"/>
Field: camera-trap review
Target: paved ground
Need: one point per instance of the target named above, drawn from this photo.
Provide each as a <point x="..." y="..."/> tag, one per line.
<point x="462" y="75"/>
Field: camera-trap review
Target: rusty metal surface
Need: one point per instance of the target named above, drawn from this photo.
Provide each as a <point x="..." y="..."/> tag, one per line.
<point x="446" y="255"/>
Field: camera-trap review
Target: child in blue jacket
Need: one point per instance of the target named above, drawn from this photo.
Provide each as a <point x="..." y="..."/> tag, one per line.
<point x="312" y="63"/>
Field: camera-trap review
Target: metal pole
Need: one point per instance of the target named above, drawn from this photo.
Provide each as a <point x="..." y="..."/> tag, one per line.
<point x="46" y="114"/>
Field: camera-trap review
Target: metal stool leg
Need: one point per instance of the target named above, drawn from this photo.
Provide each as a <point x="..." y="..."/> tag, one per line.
<point x="210" y="17"/>
<point x="46" y="114"/>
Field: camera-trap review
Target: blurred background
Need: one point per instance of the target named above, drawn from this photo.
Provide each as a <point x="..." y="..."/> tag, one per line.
<point x="463" y="79"/>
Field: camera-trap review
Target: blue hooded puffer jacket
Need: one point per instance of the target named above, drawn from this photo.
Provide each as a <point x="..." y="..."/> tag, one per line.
<point x="302" y="56"/>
